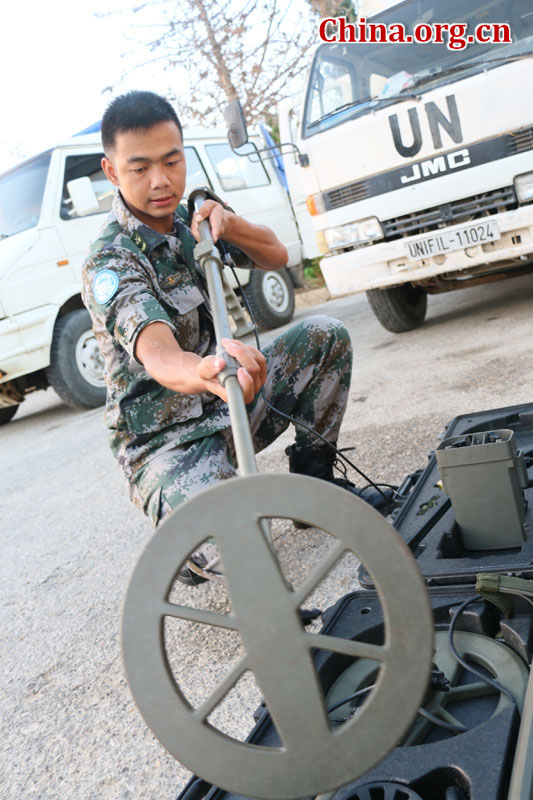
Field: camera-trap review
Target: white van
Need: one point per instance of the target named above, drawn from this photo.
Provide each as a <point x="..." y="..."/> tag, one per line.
<point x="45" y="331"/>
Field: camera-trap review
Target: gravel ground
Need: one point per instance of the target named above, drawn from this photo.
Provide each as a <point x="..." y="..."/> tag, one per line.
<point x="70" y="539"/>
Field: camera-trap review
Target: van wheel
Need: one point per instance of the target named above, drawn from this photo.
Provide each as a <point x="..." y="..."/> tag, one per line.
<point x="76" y="370"/>
<point x="7" y="413"/>
<point x="399" y="309"/>
<point x="270" y="294"/>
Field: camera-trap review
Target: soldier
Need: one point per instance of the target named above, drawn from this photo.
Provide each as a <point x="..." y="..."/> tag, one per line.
<point x="166" y="411"/>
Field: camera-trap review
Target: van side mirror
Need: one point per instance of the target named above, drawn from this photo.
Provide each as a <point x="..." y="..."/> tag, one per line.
<point x="83" y="196"/>
<point x="237" y="133"/>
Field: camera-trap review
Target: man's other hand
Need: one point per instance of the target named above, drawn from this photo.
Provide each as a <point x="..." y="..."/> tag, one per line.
<point x="218" y="219"/>
<point x="258" y="242"/>
<point x="251" y="374"/>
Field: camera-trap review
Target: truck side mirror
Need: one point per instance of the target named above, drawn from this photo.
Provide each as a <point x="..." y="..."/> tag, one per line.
<point x="237" y="133"/>
<point x="82" y="194"/>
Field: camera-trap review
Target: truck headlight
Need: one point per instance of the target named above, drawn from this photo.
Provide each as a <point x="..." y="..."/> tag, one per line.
<point x="364" y="230"/>
<point x="523" y="186"/>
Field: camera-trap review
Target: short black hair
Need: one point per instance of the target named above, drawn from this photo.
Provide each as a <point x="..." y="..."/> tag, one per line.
<point x="135" y="111"/>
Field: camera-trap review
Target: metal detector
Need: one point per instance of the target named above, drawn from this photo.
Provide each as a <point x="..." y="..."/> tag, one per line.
<point x="315" y="756"/>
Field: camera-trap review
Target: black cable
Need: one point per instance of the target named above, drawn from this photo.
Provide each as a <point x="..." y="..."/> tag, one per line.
<point x="491" y="681"/>
<point x="304" y="425"/>
<point x="350" y="698"/>
<point x="388" y="485"/>
<point x="441" y="723"/>
<point x="422" y="711"/>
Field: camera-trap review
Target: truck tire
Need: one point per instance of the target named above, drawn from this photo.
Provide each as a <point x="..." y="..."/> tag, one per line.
<point x="7" y="413"/>
<point x="270" y="294"/>
<point x="76" y="366"/>
<point x="400" y="308"/>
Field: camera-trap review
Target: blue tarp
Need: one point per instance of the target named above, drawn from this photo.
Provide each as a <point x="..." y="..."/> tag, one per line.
<point x="277" y="160"/>
<point x="94" y="128"/>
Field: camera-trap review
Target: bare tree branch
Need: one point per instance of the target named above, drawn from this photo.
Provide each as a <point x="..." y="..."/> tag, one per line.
<point x="226" y="50"/>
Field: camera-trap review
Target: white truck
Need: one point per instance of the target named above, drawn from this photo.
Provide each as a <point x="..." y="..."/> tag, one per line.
<point x="52" y="206"/>
<point x="417" y="159"/>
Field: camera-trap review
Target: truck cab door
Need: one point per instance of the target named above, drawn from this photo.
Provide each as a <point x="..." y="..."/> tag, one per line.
<point x="287" y="117"/>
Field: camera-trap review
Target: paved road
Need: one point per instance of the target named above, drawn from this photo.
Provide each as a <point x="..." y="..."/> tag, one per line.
<point x="70" y="539"/>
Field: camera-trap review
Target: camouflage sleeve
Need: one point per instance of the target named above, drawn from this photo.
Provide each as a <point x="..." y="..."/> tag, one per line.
<point x="119" y="296"/>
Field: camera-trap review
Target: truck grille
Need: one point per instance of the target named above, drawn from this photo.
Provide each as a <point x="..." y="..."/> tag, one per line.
<point x="479" y="205"/>
<point x="502" y="146"/>
<point x="521" y="140"/>
<point x="345" y="195"/>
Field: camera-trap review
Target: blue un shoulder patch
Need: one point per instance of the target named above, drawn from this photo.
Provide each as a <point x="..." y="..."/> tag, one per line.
<point x="105" y="285"/>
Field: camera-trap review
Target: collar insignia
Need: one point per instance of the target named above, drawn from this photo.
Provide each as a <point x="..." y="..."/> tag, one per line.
<point x="139" y="241"/>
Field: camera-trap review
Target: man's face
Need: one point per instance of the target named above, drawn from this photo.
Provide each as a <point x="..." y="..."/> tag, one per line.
<point x="149" y="168"/>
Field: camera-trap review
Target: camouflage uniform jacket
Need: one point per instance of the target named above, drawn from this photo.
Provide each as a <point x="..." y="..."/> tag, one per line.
<point x="133" y="276"/>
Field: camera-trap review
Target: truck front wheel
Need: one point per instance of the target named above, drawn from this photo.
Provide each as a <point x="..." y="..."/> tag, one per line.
<point x="76" y="366"/>
<point x="270" y="294"/>
<point x="400" y="308"/>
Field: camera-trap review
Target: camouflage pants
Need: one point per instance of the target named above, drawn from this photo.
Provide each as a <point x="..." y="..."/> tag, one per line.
<point x="309" y="371"/>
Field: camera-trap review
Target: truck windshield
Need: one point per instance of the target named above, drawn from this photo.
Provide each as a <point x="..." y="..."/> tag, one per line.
<point x="21" y="195"/>
<point x="348" y="80"/>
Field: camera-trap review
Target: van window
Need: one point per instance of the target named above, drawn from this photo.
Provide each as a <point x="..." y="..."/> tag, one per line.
<point x="81" y="167"/>
<point x="196" y="174"/>
<point x="21" y="195"/>
<point x="235" y="171"/>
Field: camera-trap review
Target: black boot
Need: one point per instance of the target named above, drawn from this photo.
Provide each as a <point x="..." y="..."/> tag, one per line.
<point x="318" y="462"/>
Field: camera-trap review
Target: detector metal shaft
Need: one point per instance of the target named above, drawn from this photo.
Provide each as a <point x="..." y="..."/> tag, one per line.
<point x="208" y="256"/>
